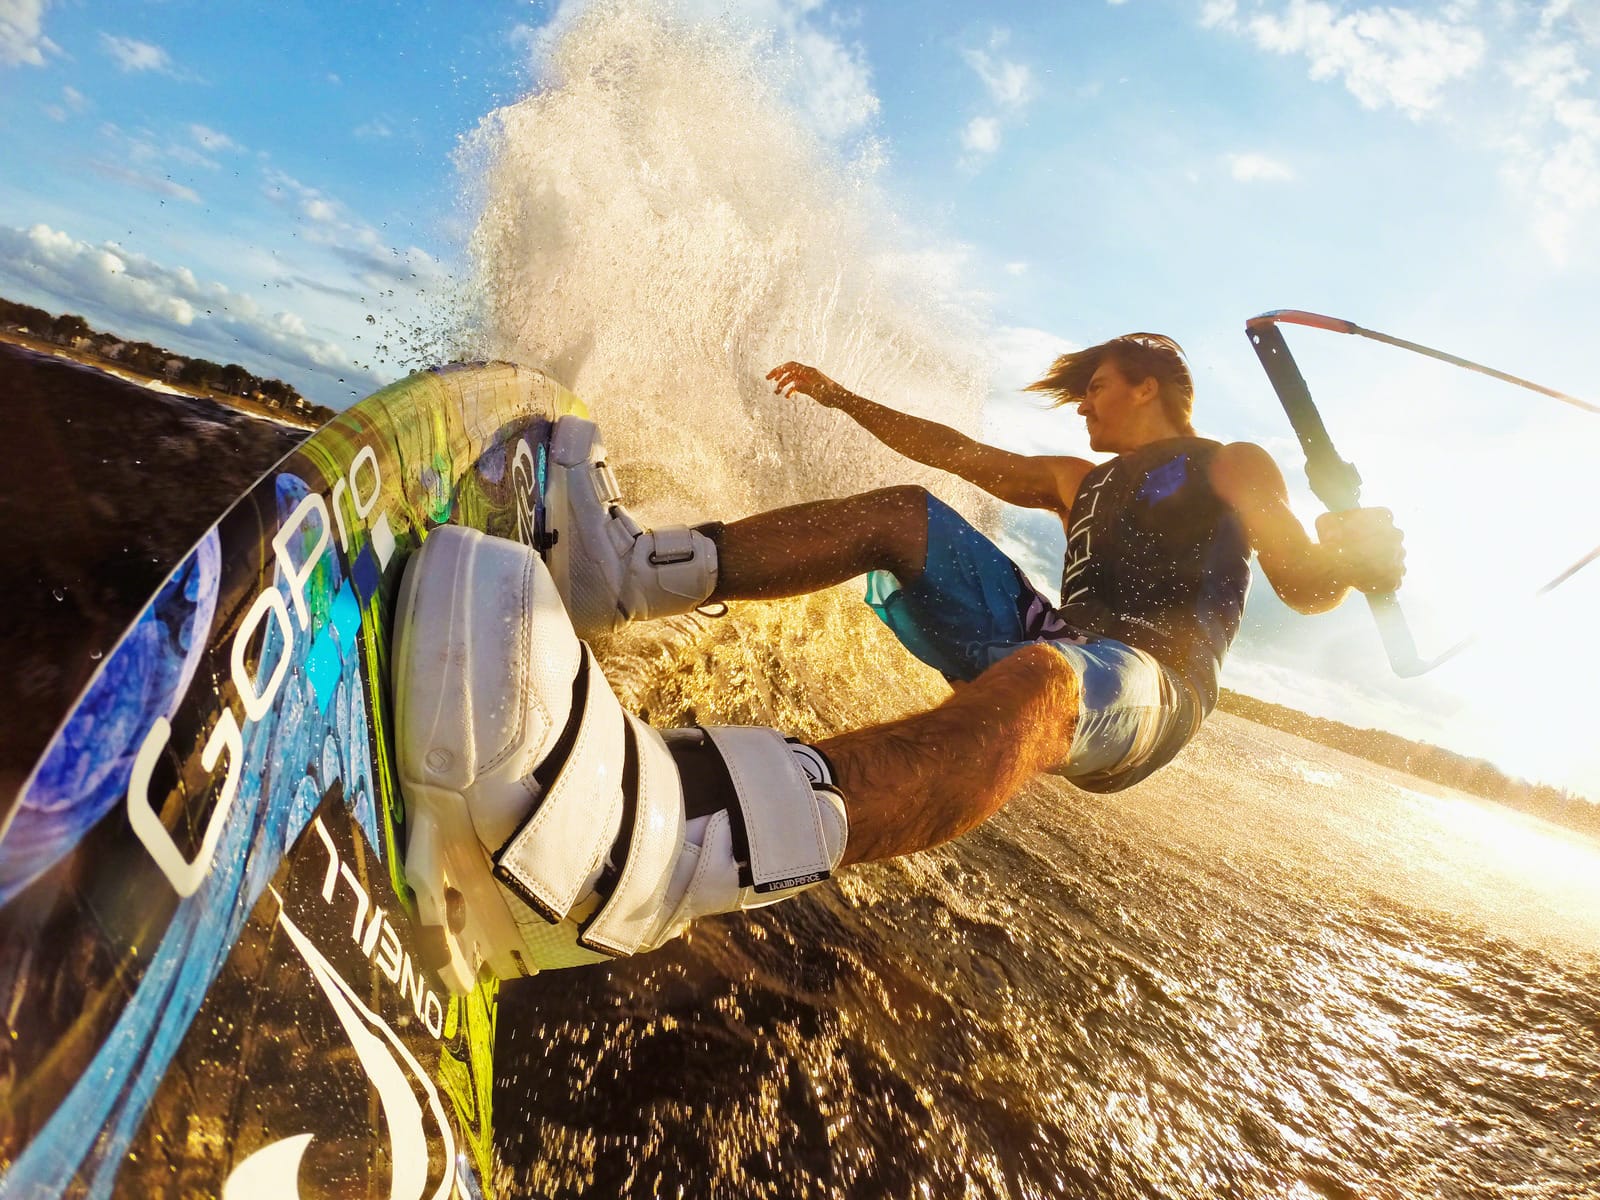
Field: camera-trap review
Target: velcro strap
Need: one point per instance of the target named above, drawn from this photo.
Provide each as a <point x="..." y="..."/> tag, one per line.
<point x="561" y="842"/>
<point x="672" y="545"/>
<point x="632" y="915"/>
<point x="782" y="825"/>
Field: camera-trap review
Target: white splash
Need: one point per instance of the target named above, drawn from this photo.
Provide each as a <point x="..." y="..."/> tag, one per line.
<point x="659" y="228"/>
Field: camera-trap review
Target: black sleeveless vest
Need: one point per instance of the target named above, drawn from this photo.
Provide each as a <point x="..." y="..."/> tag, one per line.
<point x="1156" y="559"/>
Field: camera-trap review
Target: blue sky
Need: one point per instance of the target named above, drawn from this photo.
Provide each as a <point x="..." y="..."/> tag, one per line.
<point x="277" y="186"/>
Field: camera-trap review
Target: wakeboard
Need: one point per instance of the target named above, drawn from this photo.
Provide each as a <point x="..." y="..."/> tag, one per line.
<point x="209" y="981"/>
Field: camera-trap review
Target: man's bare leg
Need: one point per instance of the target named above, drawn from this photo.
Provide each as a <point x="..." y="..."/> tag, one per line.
<point x="917" y="782"/>
<point x="922" y="780"/>
<point x="806" y="547"/>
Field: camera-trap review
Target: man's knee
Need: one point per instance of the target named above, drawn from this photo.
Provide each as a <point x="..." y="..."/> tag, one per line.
<point x="900" y="528"/>
<point x="1039" y="690"/>
<point x="1037" y="663"/>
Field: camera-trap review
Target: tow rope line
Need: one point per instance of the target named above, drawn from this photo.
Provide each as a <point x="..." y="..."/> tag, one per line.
<point x="1294" y="316"/>
<point x="1337" y="483"/>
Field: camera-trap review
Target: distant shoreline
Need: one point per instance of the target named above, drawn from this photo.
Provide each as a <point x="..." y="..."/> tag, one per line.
<point x="1475" y="776"/>
<point x="239" y="404"/>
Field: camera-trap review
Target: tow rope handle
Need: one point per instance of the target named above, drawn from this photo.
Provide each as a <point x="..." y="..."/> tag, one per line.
<point x="1335" y="482"/>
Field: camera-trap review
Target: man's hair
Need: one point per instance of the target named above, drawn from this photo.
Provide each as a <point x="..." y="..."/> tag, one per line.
<point x="1139" y="356"/>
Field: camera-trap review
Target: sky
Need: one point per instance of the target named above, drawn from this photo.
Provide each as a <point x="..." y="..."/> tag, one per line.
<point x="277" y="186"/>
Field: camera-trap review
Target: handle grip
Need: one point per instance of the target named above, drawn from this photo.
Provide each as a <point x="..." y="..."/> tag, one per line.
<point x="1395" y="631"/>
<point x="1335" y="482"/>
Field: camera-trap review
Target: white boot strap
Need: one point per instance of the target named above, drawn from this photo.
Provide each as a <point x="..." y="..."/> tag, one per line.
<point x="575" y="440"/>
<point x="787" y="845"/>
<point x="715" y="885"/>
<point x="653" y="798"/>
<point x="558" y="847"/>
<point x="671" y="545"/>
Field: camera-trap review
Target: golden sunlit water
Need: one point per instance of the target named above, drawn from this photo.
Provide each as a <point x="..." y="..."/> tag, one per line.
<point x="1271" y="970"/>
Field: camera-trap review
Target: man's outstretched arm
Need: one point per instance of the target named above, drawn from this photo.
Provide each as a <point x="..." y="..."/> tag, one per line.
<point x="1359" y="549"/>
<point x="1028" y="481"/>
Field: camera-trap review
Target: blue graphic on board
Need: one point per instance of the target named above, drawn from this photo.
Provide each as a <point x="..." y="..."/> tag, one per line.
<point x="491" y="465"/>
<point x="85" y="773"/>
<point x="319" y="739"/>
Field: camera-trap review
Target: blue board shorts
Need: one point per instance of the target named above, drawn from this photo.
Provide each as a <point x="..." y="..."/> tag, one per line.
<point x="973" y="606"/>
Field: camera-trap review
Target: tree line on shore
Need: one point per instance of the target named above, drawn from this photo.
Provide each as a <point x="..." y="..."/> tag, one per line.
<point x="156" y="362"/>
<point x="1475" y="776"/>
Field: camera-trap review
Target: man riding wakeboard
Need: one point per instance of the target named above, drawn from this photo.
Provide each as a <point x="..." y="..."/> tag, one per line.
<point x="549" y="827"/>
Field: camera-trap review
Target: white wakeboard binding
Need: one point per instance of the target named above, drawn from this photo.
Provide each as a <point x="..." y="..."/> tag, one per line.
<point x="548" y="827"/>
<point x="608" y="568"/>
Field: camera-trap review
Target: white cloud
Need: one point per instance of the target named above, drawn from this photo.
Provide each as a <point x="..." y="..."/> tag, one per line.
<point x="1384" y="56"/>
<point x="1553" y="154"/>
<point x="132" y="55"/>
<point x="300" y="198"/>
<point x="111" y="280"/>
<point x="1257" y="168"/>
<point x="832" y="82"/>
<point x="210" y="140"/>
<point x="379" y="264"/>
<point x="376" y="128"/>
<point x="1016" y="268"/>
<point x="981" y="135"/>
<point x="1009" y="87"/>
<point x="155" y="184"/>
<point x="1533" y="98"/>
<point x="144" y="148"/>
<point x="22" y="39"/>
<point x="104" y="275"/>
<point x="1010" y="83"/>
<point x="73" y="103"/>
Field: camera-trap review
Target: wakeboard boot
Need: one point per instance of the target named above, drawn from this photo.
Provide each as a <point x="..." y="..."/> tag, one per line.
<point x="546" y="826"/>
<point x="608" y="568"/>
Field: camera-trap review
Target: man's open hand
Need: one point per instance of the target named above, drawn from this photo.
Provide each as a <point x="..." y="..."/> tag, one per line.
<point x="794" y="377"/>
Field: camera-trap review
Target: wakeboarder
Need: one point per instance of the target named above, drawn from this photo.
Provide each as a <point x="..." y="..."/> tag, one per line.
<point x="598" y="835"/>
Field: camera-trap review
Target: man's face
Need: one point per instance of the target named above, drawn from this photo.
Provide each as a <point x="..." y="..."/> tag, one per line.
<point x="1107" y="407"/>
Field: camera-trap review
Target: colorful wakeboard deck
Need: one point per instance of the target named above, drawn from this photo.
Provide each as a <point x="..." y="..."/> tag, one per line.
<point x="209" y="982"/>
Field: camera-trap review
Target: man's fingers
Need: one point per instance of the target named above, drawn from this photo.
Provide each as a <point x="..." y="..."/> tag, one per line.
<point x="1370" y="547"/>
<point x="787" y="376"/>
<point x="792" y="377"/>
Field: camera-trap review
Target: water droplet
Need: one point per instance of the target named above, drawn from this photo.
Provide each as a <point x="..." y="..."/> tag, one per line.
<point x="95" y="655"/>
